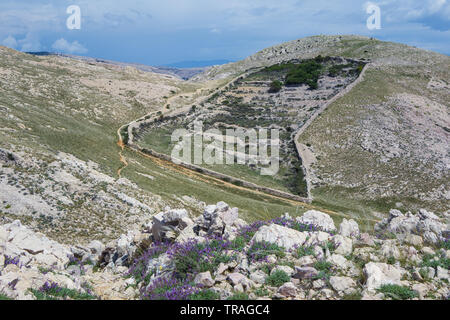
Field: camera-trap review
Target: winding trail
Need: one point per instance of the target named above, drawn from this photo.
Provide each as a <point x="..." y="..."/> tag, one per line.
<point x="122" y="158"/>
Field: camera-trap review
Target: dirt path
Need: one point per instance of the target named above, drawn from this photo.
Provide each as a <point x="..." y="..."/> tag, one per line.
<point x="122" y="158"/>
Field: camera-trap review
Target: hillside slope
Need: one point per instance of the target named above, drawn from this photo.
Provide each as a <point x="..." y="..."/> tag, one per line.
<point x="385" y="143"/>
<point x="59" y="158"/>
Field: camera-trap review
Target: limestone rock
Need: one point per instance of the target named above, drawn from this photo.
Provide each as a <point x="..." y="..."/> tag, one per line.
<point x="305" y="273"/>
<point x="378" y="274"/>
<point x="279" y="235"/>
<point x="343" y="285"/>
<point x="288" y="270"/>
<point x="344" y="245"/>
<point x="288" y="290"/>
<point x="204" y="279"/>
<point x="318" y="219"/>
<point x="170" y="220"/>
<point x="349" y="228"/>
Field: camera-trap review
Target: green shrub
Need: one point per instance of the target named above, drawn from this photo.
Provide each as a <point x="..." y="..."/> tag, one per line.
<point x="52" y="291"/>
<point x="445" y="244"/>
<point x="239" y="243"/>
<point x="4" y="297"/>
<point x="259" y="250"/>
<point x="324" y="268"/>
<point x="262" y="292"/>
<point x="391" y="260"/>
<point x="304" y="251"/>
<point x="124" y="134"/>
<point x="397" y="292"/>
<point x="239" y="296"/>
<point x="353" y="296"/>
<point x="190" y="257"/>
<point x="278" y="278"/>
<point x="207" y="294"/>
<point x="307" y="73"/>
<point x="275" y="86"/>
<point x="322" y="265"/>
<point x="330" y="246"/>
<point x="435" y="261"/>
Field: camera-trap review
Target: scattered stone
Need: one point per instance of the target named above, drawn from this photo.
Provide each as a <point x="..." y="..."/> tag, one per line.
<point x="306" y="261"/>
<point x="305" y="273"/>
<point x="288" y="270"/>
<point x="426" y="224"/>
<point x="171" y="220"/>
<point x="338" y="260"/>
<point x="441" y="273"/>
<point x="343" y="285"/>
<point x="204" y="279"/>
<point x="288" y="290"/>
<point x="413" y="240"/>
<point x="365" y="239"/>
<point x="258" y="277"/>
<point x="421" y="289"/>
<point x="236" y="278"/>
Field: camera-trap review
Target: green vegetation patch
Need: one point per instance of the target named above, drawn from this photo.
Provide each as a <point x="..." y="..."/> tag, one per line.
<point x="397" y="292"/>
<point x="278" y="278"/>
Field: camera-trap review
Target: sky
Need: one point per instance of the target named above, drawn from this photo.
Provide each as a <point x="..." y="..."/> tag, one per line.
<point x="164" y="32"/>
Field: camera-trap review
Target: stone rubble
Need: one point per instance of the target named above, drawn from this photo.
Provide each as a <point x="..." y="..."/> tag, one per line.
<point x="322" y="263"/>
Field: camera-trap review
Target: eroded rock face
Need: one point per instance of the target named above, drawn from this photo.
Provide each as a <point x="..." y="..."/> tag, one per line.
<point x="318" y="219"/>
<point x="305" y="273"/>
<point x="204" y="279"/>
<point x="279" y="235"/>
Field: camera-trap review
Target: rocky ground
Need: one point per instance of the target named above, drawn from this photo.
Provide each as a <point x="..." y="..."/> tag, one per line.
<point x="68" y="198"/>
<point x="219" y="256"/>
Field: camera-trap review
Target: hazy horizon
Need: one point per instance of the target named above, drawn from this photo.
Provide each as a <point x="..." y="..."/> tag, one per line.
<point x="154" y="33"/>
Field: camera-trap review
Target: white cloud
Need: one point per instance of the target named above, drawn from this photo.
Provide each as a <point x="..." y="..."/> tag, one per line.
<point x="10" y="42"/>
<point x="30" y="43"/>
<point x="64" y="46"/>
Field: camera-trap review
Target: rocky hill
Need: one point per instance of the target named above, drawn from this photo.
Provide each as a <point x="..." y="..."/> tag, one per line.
<point x="377" y="146"/>
<point x="371" y="126"/>
<point x="219" y="256"/>
<point x="61" y="170"/>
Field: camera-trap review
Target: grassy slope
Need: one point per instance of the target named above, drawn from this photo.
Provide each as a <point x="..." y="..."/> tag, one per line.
<point x="399" y="69"/>
<point x="72" y="117"/>
<point x="49" y="109"/>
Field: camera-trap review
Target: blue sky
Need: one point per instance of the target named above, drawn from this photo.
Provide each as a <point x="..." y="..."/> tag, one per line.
<point x="162" y="32"/>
